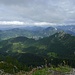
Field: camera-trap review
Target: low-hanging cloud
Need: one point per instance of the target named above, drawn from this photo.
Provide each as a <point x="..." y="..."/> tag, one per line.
<point x="25" y="23"/>
<point x="11" y="23"/>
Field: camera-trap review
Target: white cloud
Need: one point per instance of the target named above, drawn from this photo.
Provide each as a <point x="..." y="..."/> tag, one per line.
<point x="43" y="23"/>
<point x="21" y="23"/>
<point x="26" y="23"/>
<point x="11" y="23"/>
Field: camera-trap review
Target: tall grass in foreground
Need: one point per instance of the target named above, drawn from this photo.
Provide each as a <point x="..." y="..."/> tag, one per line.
<point x="53" y="70"/>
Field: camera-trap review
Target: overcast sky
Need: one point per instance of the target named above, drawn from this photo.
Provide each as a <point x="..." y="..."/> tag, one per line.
<point x="37" y="12"/>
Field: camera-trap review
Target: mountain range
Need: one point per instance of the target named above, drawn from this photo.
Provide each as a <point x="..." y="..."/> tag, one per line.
<point x="67" y="28"/>
<point x="29" y="32"/>
<point x="60" y="45"/>
<point x="36" y="46"/>
<point x="35" y="32"/>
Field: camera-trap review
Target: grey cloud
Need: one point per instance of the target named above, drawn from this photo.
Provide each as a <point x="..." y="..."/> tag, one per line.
<point x="55" y="11"/>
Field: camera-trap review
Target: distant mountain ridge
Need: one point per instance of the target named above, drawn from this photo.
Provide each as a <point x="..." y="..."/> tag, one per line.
<point x="34" y="32"/>
<point x="30" y="32"/>
<point x="67" y="28"/>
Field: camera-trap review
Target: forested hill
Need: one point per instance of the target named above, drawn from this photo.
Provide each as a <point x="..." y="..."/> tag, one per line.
<point x="55" y="49"/>
<point x="60" y="44"/>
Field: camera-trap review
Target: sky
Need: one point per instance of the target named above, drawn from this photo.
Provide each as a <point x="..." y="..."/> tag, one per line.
<point x="37" y="12"/>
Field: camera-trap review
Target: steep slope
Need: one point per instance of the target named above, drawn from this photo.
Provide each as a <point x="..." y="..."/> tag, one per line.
<point x="61" y="43"/>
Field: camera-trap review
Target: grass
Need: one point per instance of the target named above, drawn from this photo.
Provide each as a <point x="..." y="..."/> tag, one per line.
<point x="41" y="72"/>
<point x="47" y="71"/>
<point x="62" y="69"/>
